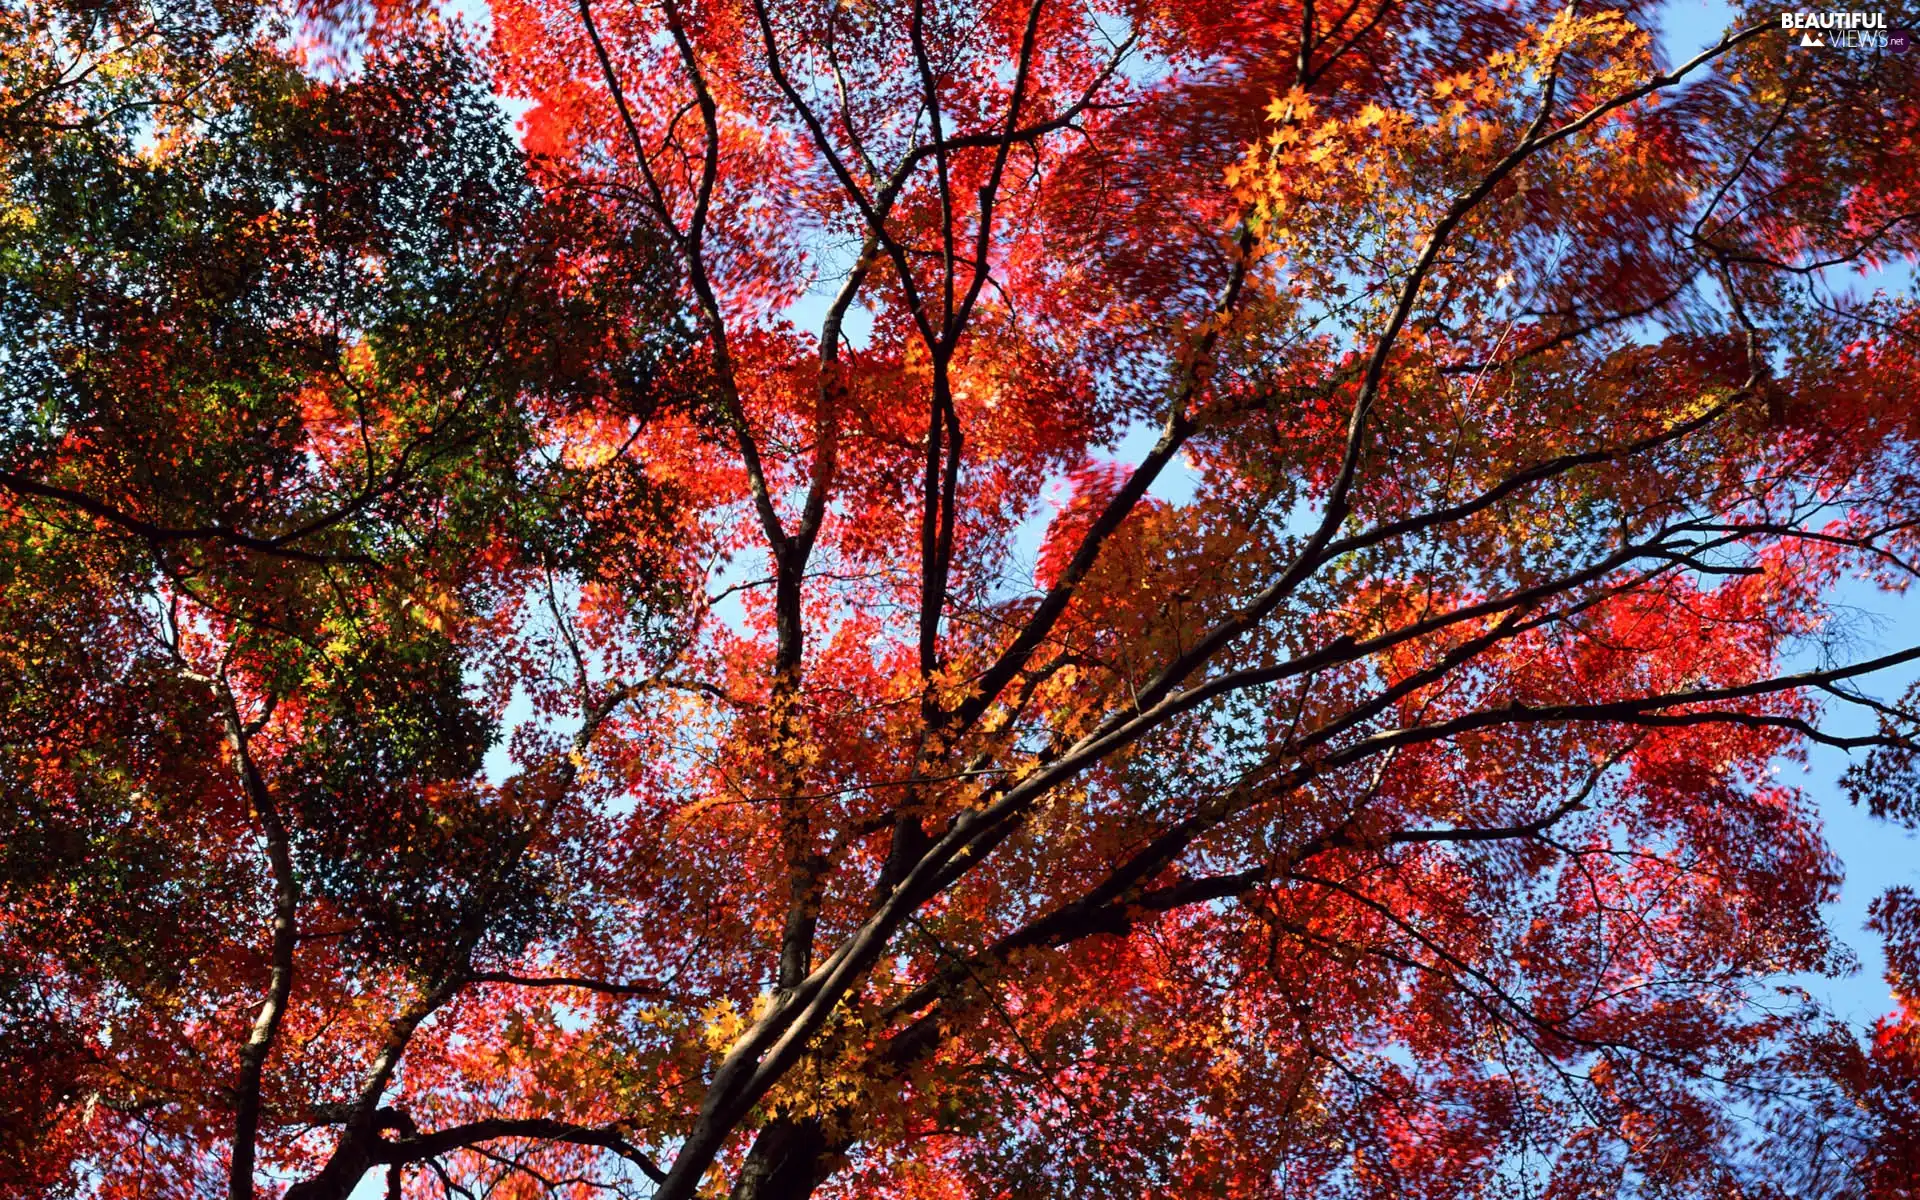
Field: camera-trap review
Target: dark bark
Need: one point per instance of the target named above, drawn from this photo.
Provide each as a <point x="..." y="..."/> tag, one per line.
<point x="266" y="1025"/>
<point x="348" y="1164"/>
<point x="790" y="1158"/>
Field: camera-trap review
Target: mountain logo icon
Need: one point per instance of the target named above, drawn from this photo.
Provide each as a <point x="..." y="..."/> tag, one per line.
<point x="1810" y="39"/>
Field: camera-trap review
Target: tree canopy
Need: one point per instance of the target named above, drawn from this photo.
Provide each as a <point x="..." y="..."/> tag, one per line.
<point x="947" y="598"/>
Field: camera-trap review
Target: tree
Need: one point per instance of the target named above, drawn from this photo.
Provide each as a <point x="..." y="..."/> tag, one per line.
<point x="499" y="702"/>
<point x="1891" y="1091"/>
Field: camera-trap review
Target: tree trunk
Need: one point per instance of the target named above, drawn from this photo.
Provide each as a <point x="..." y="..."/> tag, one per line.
<point x="789" y="1159"/>
<point x="348" y="1164"/>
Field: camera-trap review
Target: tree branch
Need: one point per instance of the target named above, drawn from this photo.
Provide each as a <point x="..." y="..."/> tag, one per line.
<point x="421" y="1147"/>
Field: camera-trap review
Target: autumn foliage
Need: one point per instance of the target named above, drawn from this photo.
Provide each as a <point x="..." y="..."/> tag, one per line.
<point x="940" y="598"/>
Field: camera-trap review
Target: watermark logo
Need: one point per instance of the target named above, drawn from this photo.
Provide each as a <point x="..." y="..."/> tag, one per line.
<point x="1843" y="29"/>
